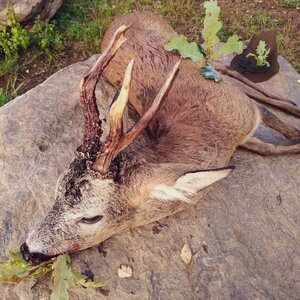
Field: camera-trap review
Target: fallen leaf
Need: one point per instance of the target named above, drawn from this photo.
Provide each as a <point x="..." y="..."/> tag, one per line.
<point x="124" y="271"/>
<point x="298" y="81"/>
<point x="15" y="269"/>
<point x="186" y="253"/>
<point x="81" y="279"/>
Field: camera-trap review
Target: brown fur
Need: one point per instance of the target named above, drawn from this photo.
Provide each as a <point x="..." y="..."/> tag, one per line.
<point x="201" y="121"/>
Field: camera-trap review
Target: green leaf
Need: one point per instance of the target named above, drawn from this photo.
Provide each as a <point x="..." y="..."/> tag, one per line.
<point x="62" y="278"/>
<point x="212" y="26"/>
<point x="185" y="49"/>
<point x="40" y="272"/>
<point x="10" y="272"/>
<point x="16" y="257"/>
<point x="177" y="42"/>
<point x="261" y="55"/>
<point x="210" y="72"/>
<point x="15" y="269"/>
<point x="233" y="44"/>
<point x="93" y="284"/>
<point x="79" y="278"/>
<point x="83" y="280"/>
<point x="261" y="49"/>
<point x="191" y="51"/>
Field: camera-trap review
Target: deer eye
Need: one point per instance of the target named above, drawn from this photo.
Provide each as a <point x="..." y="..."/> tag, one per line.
<point x="91" y="220"/>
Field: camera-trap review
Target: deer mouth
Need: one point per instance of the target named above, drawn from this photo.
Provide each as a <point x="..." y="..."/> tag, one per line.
<point x="34" y="258"/>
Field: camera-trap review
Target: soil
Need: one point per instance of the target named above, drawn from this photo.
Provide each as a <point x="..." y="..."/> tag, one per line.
<point x="268" y="8"/>
<point x="34" y="71"/>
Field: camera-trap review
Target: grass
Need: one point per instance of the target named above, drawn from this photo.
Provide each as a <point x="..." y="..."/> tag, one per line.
<point x="10" y="91"/>
<point x="4" y="97"/>
<point x="290" y="3"/>
<point x="8" y="66"/>
<point x="249" y="24"/>
<point x="85" y="22"/>
<point x="79" y="27"/>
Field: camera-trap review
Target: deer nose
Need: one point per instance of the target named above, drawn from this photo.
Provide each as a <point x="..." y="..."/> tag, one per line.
<point x="33" y="258"/>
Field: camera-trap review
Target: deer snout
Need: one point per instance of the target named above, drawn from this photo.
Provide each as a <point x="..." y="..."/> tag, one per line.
<point x="34" y="258"/>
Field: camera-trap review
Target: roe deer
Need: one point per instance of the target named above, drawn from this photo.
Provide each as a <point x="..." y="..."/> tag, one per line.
<point x="187" y="129"/>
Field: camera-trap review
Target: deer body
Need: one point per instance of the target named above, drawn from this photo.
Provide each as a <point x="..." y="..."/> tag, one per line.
<point x="188" y="141"/>
<point x="200" y="122"/>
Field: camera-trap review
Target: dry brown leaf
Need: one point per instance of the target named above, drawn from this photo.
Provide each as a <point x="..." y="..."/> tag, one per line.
<point x="124" y="271"/>
<point x="186" y="253"/>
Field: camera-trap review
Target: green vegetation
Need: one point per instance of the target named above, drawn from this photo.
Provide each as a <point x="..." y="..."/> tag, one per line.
<point x="261" y="55"/>
<point x="11" y="90"/>
<point x="63" y="278"/>
<point x="212" y="25"/>
<point x="212" y="46"/>
<point x="46" y="37"/>
<point x="4" y="98"/>
<point x="14" y="39"/>
<point x="180" y="44"/>
<point x="8" y="65"/>
<point x="290" y="3"/>
<point x="79" y="27"/>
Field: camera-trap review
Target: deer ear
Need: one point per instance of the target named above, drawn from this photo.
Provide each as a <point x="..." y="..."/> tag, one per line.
<point x="188" y="184"/>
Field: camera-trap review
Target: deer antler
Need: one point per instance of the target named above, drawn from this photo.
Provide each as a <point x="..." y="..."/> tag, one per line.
<point x="93" y="130"/>
<point x="117" y="140"/>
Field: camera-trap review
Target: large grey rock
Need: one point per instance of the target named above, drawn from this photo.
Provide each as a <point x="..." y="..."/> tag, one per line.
<point x="244" y="235"/>
<point x="27" y="10"/>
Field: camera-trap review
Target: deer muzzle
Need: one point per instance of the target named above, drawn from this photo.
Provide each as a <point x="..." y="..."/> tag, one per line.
<point x="33" y="257"/>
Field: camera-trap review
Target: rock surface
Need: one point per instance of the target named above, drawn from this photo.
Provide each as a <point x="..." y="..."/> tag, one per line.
<point x="244" y="235"/>
<point x="28" y="10"/>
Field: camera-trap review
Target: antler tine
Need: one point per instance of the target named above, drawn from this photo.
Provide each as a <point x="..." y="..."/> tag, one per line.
<point x="117" y="141"/>
<point x="93" y="130"/>
<point x="149" y="115"/>
<point x="117" y="109"/>
<point x="115" y="121"/>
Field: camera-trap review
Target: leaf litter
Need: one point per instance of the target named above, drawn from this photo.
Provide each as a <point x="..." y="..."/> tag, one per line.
<point x="186" y="253"/>
<point x="63" y="278"/>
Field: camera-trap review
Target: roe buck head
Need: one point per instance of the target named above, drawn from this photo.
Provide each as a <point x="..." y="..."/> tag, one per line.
<point x="106" y="189"/>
